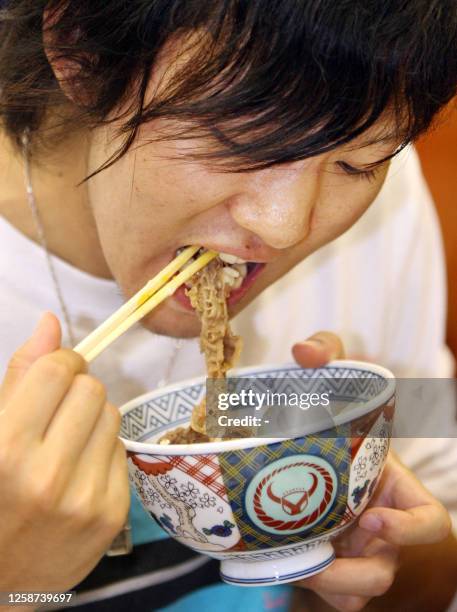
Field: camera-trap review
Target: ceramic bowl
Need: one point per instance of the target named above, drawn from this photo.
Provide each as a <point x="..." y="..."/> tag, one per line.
<point x="266" y="507"/>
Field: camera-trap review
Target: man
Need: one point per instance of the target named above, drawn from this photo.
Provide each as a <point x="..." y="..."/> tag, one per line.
<point x="260" y="129"/>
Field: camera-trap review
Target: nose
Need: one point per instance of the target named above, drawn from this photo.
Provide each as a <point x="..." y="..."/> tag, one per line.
<point x="276" y="203"/>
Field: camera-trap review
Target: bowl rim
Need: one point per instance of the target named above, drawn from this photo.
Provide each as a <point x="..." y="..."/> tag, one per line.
<point x="211" y="448"/>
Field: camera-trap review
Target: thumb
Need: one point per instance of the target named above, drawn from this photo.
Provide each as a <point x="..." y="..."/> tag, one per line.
<point x="45" y="339"/>
<point x="318" y="350"/>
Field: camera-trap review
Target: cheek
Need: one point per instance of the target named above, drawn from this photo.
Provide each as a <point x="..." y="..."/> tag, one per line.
<point x="137" y="202"/>
<point x="342" y="203"/>
<point x="166" y="191"/>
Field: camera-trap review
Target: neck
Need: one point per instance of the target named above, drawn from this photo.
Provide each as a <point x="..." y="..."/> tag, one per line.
<point x="63" y="203"/>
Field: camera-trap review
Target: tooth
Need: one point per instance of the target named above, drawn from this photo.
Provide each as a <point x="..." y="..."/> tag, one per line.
<point x="231" y="259"/>
<point x="227" y="279"/>
<point x="242" y="269"/>
<point x="237" y="282"/>
<point x="233" y="272"/>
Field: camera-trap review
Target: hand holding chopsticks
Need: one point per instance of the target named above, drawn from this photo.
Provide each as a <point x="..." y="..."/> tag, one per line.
<point x="151" y="295"/>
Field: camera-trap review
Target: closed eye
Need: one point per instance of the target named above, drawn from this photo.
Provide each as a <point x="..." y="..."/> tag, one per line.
<point x="358" y="172"/>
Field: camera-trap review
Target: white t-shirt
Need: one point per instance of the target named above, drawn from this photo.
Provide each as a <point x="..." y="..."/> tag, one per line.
<point x="381" y="286"/>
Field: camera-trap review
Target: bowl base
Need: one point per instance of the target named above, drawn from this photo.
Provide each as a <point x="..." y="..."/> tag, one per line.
<point x="278" y="570"/>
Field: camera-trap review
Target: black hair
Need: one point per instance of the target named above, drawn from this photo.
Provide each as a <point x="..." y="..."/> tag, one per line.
<point x="269" y="81"/>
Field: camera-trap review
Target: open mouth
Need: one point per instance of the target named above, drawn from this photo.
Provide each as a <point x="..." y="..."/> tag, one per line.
<point x="238" y="275"/>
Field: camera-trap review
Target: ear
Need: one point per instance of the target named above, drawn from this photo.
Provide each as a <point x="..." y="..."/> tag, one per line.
<point x="67" y="70"/>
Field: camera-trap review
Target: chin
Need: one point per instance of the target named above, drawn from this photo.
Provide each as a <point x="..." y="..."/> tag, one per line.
<point x="168" y="321"/>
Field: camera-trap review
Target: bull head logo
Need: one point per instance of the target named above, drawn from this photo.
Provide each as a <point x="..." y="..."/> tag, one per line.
<point x="293" y="507"/>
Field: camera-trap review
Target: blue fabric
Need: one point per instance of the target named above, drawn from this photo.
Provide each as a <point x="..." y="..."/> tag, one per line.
<point x="144" y="528"/>
<point x="226" y="598"/>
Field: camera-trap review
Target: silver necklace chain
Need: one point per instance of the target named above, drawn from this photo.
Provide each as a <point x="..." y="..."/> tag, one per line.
<point x="31" y="199"/>
<point x="42" y="235"/>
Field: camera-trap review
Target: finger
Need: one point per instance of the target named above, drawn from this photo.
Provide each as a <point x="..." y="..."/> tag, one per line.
<point x="97" y="456"/>
<point x="358" y="576"/>
<point x="400" y="488"/>
<point x="104" y="509"/>
<point x="75" y="421"/>
<point x="45" y="339"/>
<point x="36" y="398"/>
<point x="426" y="524"/>
<point x="352" y="542"/>
<point x="318" y="350"/>
<point x="118" y="494"/>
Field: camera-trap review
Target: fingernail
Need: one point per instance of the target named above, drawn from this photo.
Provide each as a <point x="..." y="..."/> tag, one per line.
<point x="371" y="522"/>
<point x="314" y="342"/>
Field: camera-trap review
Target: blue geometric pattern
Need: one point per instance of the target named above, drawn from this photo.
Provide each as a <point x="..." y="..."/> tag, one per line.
<point x="158" y="414"/>
<point x="173" y="407"/>
<point x="344" y="384"/>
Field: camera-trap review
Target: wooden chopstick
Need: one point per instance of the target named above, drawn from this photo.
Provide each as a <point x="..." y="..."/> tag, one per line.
<point x="141" y="296"/>
<point x="150" y="296"/>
